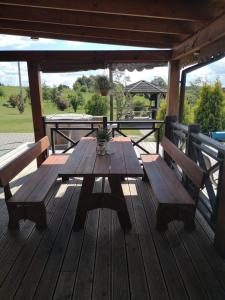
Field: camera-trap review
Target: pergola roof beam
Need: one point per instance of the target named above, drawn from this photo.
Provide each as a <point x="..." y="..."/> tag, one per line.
<point x="125" y="56"/>
<point x="81" y="38"/>
<point x="170" y="9"/>
<point x="161" y="40"/>
<point x="208" y="35"/>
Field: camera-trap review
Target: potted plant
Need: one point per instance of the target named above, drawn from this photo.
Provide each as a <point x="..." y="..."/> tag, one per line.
<point x="103" y="84"/>
<point x="103" y="136"/>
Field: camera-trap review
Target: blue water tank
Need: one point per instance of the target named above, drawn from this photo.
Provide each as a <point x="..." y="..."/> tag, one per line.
<point x="218" y="135"/>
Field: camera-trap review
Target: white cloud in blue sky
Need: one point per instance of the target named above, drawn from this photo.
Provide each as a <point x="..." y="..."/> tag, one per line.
<point x="9" y="76"/>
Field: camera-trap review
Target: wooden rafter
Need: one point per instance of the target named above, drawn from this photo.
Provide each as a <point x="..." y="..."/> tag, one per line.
<point x="162" y="40"/>
<point x="87" y="19"/>
<point x="79" y="38"/>
<point x="171" y="9"/>
<point x="208" y="35"/>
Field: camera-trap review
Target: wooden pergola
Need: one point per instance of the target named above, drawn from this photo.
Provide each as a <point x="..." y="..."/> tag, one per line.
<point x="183" y="33"/>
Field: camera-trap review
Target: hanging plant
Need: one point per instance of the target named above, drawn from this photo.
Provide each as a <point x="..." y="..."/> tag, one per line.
<point x="103" y="85"/>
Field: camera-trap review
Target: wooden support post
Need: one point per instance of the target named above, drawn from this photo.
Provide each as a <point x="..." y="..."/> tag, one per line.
<point x="36" y="104"/>
<point x="111" y="96"/>
<point x="219" y="239"/>
<point x="169" y="134"/>
<point x="173" y="88"/>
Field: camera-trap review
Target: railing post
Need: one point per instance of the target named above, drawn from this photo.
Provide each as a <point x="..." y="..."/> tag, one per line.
<point x="169" y="134"/>
<point x="193" y="128"/>
<point x="219" y="239"/>
<point x="105" y="122"/>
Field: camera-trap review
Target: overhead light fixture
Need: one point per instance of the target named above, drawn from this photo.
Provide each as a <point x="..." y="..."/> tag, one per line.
<point x="34" y="38"/>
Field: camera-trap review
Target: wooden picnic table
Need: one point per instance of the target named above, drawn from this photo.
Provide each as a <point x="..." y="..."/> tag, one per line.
<point x="121" y="162"/>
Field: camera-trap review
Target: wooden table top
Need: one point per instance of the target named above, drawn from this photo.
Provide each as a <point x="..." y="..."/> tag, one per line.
<point x="122" y="160"/>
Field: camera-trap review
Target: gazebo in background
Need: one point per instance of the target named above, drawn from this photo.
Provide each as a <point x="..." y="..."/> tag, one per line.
<point x="151" y="91"/>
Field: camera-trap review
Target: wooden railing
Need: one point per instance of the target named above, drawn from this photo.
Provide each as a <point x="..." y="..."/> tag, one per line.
<point x="209" y="155"/>
<point x="118" y="127"/>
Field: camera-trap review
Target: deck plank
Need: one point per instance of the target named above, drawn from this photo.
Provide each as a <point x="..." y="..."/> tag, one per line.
<point x="31" y="262"/>
<point x="157" y="287"/>
<point x="85" y="271"/>
<point x="168" y="264"/>
<point x="138" y="282"/>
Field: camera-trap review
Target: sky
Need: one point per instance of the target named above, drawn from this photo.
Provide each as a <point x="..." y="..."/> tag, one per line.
<point x="9" y="71"/>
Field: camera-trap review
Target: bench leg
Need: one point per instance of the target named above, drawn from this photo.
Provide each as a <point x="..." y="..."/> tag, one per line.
<point x="15" y="214"/>
<point x="188" y="216"/>
<point x="163" y="218"/>
<point x="40" y="216"/>
<point x="166" y="214"/>
<point x="145" y="177"/>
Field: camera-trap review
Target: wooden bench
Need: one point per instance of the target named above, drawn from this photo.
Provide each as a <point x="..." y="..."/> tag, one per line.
<point x="29" y="201"/>
<point x="174" y="201"/>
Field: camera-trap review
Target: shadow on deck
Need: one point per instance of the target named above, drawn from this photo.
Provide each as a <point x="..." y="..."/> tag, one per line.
<point x="103" y="262"/>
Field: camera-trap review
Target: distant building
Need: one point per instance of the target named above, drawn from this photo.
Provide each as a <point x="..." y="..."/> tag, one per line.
<point x="151" y="91"/>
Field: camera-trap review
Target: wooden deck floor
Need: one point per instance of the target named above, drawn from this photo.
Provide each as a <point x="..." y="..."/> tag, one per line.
<point x="103" y="262"/>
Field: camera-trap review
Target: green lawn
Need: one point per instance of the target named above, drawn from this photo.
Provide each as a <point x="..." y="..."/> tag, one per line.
<point x="12" y="121"/>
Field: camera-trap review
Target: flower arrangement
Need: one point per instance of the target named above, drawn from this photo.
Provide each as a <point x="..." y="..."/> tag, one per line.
<point x="104" y="134"/>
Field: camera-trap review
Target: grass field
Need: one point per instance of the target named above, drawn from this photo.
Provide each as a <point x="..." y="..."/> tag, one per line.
<point x="12" y="121"/>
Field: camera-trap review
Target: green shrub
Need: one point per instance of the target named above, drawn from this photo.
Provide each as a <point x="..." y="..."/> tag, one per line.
<point x="61" y="101"/>
<point x="138" y="105"/>
<point x="76" y="100"/>
<point x="209" y="109"/>
<point x="96" y="106"/>
<point x="13" y="100"/>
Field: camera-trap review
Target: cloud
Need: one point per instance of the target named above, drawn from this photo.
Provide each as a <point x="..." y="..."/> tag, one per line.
<point x="21" y="42"/>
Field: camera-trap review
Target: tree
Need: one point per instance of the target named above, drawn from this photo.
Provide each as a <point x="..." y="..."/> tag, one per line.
<point x="188" y="113"/>
<point x="193" y="91"/>
<point x="209" y="109"/>
<point x="46" y="92"/>
<point x="159" y="81"/>
<point x="76" y="100"/>
<point x="54" y="92"/>
<point x="61" y="101"/>
<point x="61" y="87"/>
<point x="96" y="106"/>
<point x="118" y="93"/>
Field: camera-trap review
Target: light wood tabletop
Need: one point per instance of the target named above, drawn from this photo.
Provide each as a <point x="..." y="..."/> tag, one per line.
<point x="121" y="162"/>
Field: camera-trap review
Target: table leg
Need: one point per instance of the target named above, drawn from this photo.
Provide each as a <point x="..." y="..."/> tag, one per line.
<point x="83" y="202"/>
<point x="120" y="206"/>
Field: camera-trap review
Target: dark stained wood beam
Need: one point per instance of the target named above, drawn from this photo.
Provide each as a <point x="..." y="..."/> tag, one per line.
<point x="86" y="19"/>
<point x="173" y="88"/>
<point x="123" y="56"/>
<point x="80" y="38"/>
<point x="170" y="9"/>
<point x="36" y="104"/>
<point x="162" y="40"/>
<point x="206" y="36"/>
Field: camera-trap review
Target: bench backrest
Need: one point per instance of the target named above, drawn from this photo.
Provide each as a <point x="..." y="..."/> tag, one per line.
<point x="10" y="170"/>
<point x="188" y="166"/>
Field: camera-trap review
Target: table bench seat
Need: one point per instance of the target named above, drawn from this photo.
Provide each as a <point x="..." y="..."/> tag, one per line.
<point x="174" y="201"/>
<point x="29" y="202"/>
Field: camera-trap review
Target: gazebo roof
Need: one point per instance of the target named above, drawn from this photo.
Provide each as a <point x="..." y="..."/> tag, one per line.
<point x="143" y="86"/>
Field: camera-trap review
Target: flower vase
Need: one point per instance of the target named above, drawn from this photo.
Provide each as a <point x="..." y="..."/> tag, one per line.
<point x="101" y="147"/>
